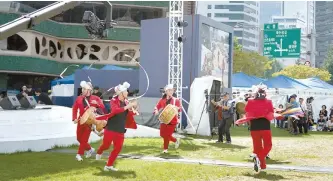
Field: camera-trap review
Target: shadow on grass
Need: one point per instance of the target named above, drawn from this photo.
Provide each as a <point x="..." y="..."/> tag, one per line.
<point x="118" y="174"/>
<point x="270" y="161"/>
<point x="186" y="145"/>
<point x="227" y="146"/>
<point x="265" y="176"/>
<point x="168" y="156"/>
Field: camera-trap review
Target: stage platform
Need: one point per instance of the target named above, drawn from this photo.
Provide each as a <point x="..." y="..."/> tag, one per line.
<point x="45" y="127"/>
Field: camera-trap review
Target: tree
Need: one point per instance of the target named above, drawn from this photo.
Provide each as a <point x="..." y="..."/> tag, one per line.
<point x="328" y="65"/>
<point x="250" y="63"/>
<point x="276" y="67"/>
<point x="304" y="72"/>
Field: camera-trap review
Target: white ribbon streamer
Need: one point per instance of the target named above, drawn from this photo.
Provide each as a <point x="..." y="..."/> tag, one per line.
<point x="147" y="77"/>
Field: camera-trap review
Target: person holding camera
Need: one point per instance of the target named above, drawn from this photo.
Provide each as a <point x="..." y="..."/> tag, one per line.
<point x="227" y="117"/>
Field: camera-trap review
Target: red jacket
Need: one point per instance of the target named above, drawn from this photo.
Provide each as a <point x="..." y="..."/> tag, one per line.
<point x="162" y="104"/>
<point x="116" y="109"/>
<point x="79" y="106"/>
<point x="260" y="108"/>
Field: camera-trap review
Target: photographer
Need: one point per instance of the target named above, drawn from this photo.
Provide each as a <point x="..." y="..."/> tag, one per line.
<point x="227" y="117"/>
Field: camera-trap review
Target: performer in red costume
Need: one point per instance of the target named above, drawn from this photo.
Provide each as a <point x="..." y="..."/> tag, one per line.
<point x="259" y="111"/>
<point x="166" y="130"/>
<point x="83" y="131"/>
<point x="120" y="118"/>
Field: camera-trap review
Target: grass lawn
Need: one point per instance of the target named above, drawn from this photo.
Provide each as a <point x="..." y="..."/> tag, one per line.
<point x="63" y="167"/>
<point x="314" y="149"/>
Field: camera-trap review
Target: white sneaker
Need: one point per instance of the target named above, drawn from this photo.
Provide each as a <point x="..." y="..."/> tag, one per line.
<point x="90" y="152"/>
<point x="256" y="162"/>
<point x="98" y="156"/>
<point x="177" y="143"/>
<point x="252" y="155"/>
<point x="78" y="158"/>
<point x="110" y="168"/>
<point x="165" y="151"/>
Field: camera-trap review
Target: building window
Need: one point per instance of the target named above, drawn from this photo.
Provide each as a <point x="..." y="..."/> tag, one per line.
<point x="221" y="7"/>
<point x="230" y="16"/>
<point x="291" y="20"/>
<point x="238" y="33"/>
<point x="209" y="7"/>
<point x="230" y="7"/>
<point x="209" y="15"/>
<point x="292" y="26"/>
<point x="236" y="1"/>
<point x="278" y="20"/>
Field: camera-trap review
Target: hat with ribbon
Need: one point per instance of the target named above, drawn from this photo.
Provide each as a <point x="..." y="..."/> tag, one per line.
<point x="122" y="88"/>
<point x="168" y="87"/>
<point x="86" y="85"/>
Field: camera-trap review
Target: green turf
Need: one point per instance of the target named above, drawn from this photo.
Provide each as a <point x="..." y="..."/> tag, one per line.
<point x="47" y="166"/>
<point x="306" y="150"/>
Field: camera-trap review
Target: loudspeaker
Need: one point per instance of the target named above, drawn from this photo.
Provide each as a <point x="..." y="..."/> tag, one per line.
<point x="10" y="103"/>
<point x="28" y="102"/>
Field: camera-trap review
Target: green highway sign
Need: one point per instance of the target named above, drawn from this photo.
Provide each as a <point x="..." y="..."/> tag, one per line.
<point x="284" y="43"/>
<point x="272" y="26"/>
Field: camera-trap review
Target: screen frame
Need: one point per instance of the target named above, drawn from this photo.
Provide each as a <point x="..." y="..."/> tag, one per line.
<point x="220" y="26"/>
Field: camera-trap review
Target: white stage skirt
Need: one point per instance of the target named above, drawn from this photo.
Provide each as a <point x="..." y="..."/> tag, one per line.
<point x="45" y="127"/>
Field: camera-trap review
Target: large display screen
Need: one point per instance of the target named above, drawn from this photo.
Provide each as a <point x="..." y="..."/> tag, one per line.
<point x="215" y="53"/>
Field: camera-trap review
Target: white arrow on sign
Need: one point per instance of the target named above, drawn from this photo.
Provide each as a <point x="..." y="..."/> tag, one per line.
<point x="280" y="48"/>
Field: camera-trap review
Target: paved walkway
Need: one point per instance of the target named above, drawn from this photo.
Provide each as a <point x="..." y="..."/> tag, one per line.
<point x="214" y="162"/>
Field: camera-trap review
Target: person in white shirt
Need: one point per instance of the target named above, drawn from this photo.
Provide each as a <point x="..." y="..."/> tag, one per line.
<point x="302" y="122"/>
<point x="329" y="125"/>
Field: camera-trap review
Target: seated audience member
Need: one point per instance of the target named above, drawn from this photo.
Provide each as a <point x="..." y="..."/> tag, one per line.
<point x="97" y="92"/>
<point x="23" y="93"/>
<point x="43" y="98"/>
<point x="29" y="91"/>
<point x="323" y="111"/>
<point x="321" y="122"/>
<point x="3" y="94"/>
<point x="329" y="125"/>
<point x="310" y="122"/>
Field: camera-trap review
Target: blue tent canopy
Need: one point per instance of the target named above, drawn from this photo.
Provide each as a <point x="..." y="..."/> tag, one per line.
<point x="68" y="79"/>
<point x="243" y="80"/>
<point x="113" y="67"/>
<point x="316" y="83"/>
<point x="285" y="82"/>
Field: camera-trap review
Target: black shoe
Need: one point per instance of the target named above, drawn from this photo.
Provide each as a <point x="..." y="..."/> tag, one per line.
<point x="219" y="141"/>
<point x="228" y="142"/>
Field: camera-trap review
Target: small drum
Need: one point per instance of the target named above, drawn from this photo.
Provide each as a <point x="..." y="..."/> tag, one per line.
<point x="240" y="108"/>
<point x="88" y="117"/>
<point x="168" y="113"/>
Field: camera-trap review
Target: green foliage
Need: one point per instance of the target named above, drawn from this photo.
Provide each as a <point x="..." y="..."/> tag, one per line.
<point x="276" y="67"/>
<point x="251" y="63"/>
<point x="304" y="72"/>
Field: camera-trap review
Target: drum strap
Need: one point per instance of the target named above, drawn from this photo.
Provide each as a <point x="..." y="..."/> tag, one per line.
<point x="85" y="99"/>
<point x="168" y="101"/>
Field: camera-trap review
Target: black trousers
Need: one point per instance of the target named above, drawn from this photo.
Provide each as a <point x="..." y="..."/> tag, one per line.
<point x="294" y="125"/>
<point x="302" y="124"/>
<point x="224" y="128"/>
